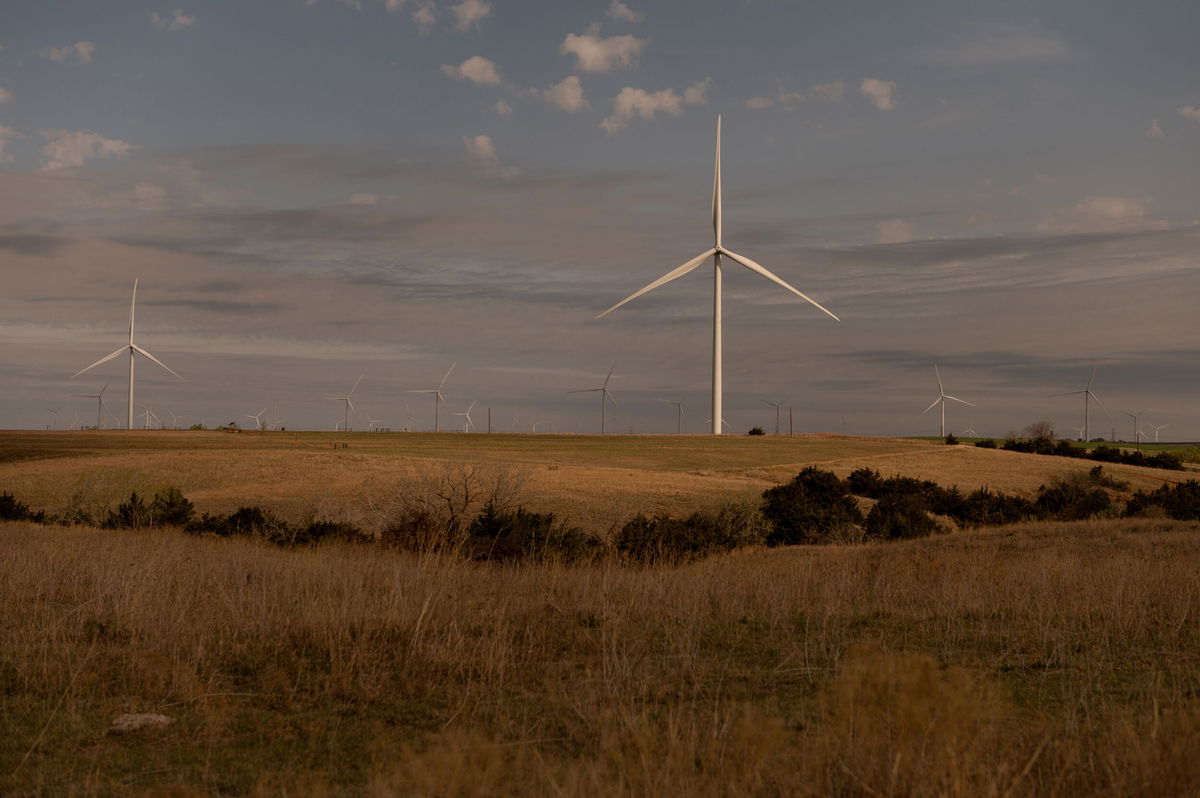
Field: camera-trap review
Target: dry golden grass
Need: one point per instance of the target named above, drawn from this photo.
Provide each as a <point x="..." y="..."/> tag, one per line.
<point x="593" y="481"/>
<point x="1055" y="660"/>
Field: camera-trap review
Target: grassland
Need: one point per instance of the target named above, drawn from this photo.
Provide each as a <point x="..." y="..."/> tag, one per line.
<point x="1044" y="659"/>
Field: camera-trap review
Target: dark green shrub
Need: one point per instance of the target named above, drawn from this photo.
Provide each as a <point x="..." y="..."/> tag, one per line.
<point x="985" y="508"/>
<point x="756" y="431"/>
<point x="133" y="513"/>
<point x="986" y="443"/>
<point x="170" y="508"/>
<point x="13" y="510"/>
<point x="865" y="482"/>
<point x="321" y="531"/>
<point x="523" y="535"/>
<point x="899" y="516"/>
<point x="809" y="509"/>
<point x="252" y="522"/>
<point x="663" y="539"/>
<point x="951" y="440"/>
<point x="1069" y="500"/>
<point x="1180" y="501"/>
<point x="419" y="529"/>
<point x="1165" y="460"/>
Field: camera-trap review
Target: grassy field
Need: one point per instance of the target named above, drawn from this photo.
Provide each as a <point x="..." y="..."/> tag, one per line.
<point x="1042" y="659"/>
<point x="593" y="481"/>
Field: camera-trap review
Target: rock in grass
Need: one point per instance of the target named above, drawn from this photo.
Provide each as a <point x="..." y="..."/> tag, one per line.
<point x="133" y="722"/>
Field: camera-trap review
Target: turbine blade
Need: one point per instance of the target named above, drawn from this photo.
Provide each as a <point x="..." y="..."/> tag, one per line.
<point x="610" y="371"/>
<point x="105" y="359"/>
<point x="1097" y="398"/>
<point x="760" y="269"/>
<point x="586" y="390"/>
<point x="612" y="398"/>
<point x="716" y="202"/>
<point x="941" y="389"/>
<point x="1091" y="380"/>
<point x="960" y="401"/>
<point x="105" y="388"/>
<point x="350" y="404"/>
<point x="666" y="278"/>
<point x="132" y="307"/>
<point x="356" y="382"/>
<point x="141" y="351"/>
<point x="1066" y="393"/>
<point x="432" y="391"/>
<point x="935" y="404"/>
<point x="443" y="382"/>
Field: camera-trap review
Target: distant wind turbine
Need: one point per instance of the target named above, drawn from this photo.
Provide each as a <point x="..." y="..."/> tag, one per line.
<point x="1137" y="430"/>
<point x="970" y="432"/>
<point x="1158" y="427"/>
<point x="437" y="396"/>
<point x="678" y="415"/>
<point x="346" y="399"/>
<point x="1082" y="433"/>
<point x="941" y="400"/>
<point x="53" y="411"/>
<point x="258" y="422"/>
<point x="1087" y="397"/>
<point x="604" y="395"/>
<point x="777" y="406"/>
<point x="99" y="397"/>
<point x="717" y="252"/>
<point x="468" y="424"/>
<point x="131" y="348"/>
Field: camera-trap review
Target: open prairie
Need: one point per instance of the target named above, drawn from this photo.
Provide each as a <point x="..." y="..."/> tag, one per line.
<point x="590" y="480"/>
<point x="1051" y="659"/>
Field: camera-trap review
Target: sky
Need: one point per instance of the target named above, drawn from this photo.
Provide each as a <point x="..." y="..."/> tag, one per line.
<point x="312" y="190"/>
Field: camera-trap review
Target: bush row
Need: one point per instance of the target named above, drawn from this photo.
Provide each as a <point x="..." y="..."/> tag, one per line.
<point x="1103" y="454"/>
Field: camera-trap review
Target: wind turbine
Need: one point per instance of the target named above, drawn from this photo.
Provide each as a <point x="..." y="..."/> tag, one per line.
<point x="708" y="424"/>
<point x="99" y="397"/>
<point x="174" y="420"/>
<point x="131" y="348"/>
<point x="371" y="422"/>
<point x="604" y="395"/>
<point x="717" y="252"/>
<point x="53" y="411"/>
<point x="1087" y="397"/>
<point x="1082" y="433"/>
<point x="1137" y="430"/>
<point x="258" y="422"/>
<point x="1158" y="427"/>
<point x="678" y="415"/>
<point x="346" y="399"/>
<point x="941" y="400"/>
<point x="777" y="406"/>
<point x="437" y="396"/>
<point x="468" y="424"/>
<point x="970" y="432"/>
<point x="150" y="416"/>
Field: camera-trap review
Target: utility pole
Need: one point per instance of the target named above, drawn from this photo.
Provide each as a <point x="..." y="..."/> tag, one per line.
<point x="790" y="433"/>
<point x="489" y="421"/>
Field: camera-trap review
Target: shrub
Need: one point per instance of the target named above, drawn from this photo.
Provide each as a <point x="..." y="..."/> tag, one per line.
<point x="756" y="431"/>
<point x="663" y="539"/>
<point x="252" y="522"/>
<point x="521" y="535"/>
<point x="323" y="530"/>
<point x="170" y="508"/>
<point x="1072" y="500"/>
<point x="899" y="516"/>
<point x="1180" y="501"/>
<point x="985" y="508"/>
<point x="133" y="513"/>
<point x="951" y="440"/>
<point x="13" y="510"/>
<point x="809" y="508"/>
<point x="986" y="443"/>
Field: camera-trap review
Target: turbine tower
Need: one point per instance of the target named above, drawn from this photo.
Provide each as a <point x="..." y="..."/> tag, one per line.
<point x="777" y="406"/>
<point x="717" y="252"/>
<point x="678" y="415"/>
<point x="99" y="397"/>
<point x="941" y="400"/>
<point x="437" y="396"/>
<point x="1087" y="397"/>
<point x="131" y="348"/>
<point x="346" y="399"/>
<point x="604" y="395"/>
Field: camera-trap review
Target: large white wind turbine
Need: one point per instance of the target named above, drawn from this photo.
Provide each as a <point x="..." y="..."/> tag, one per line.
<point x="1087" y="397"/>
<point x="346" y="399"/>
<point x="604" y="395"/>
<point x="777" y="406"/>
<point x="941" y="400"/>
<point x="99" y="397"/>
<point x="437" y="396"/>
<point x="678" y="414"/>
<point x="717" y="252"/>
<point x="131" y="348"/>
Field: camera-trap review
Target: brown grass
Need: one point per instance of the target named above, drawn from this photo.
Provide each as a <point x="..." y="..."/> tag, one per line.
<point x="593" y="481"/>
<point x="1059" y="659"/>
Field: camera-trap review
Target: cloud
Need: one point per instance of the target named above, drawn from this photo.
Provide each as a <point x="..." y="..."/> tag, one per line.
<point x="502" y="108"/>
<point x="830" y="92"/>
<point x="481" y="150"/>
<point x="879" y="92"/>
<point x="1189" y="112"/>
<point x="5" y="95"/>
<point x="77" y="53"/>
<point x="1155" y="131"/>
<point x="894" y="231"/>
<point x="7" y="135"/>
<point x="827" y="91"/>
<point x="998" y="44"/>
<point x="622" y="13"/>
<point x="363" y="199"/>
<point x="596" y="54"/>
<point x="424" y="18"/>
<point x="68" y="149"/>
<point x="393" y="6"/>
<point x="1101" y="214"/>
<point x="469" y="13"/>
<point x="176" y="20"/>
<point x="567" y="94"/>
<point x="633" y="102"/>
<point x="759" y="103"/>
<point x="476" y="69"/>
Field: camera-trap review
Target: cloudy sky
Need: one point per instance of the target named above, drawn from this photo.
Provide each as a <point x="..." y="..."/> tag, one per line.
<point x="309" y="190"/>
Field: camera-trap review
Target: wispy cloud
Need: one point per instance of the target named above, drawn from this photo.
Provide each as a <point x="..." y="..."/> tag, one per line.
<point x="1155" y="130"/>
<point x="1095" y="214"/>
<point x="77" y="53"/>
<point x="482" y="151"/>
<point x="594" y="53"/>
<point x="7" y="136"/>
<point x="424" y="17"/>
<point x="567" y="94"/>
<point x="620" y="12"/>
<point x="174" y="21"/>
<point x="67" y="149"/>
<point x="1189" y="112"/>
<point x="633" y="102"/>
<point x="5" y="95"/>
<point x="476" y="69"/>
<point x="470" y="13"/>
<point x="879" y="92"/>
<point x="989" y="44"/>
